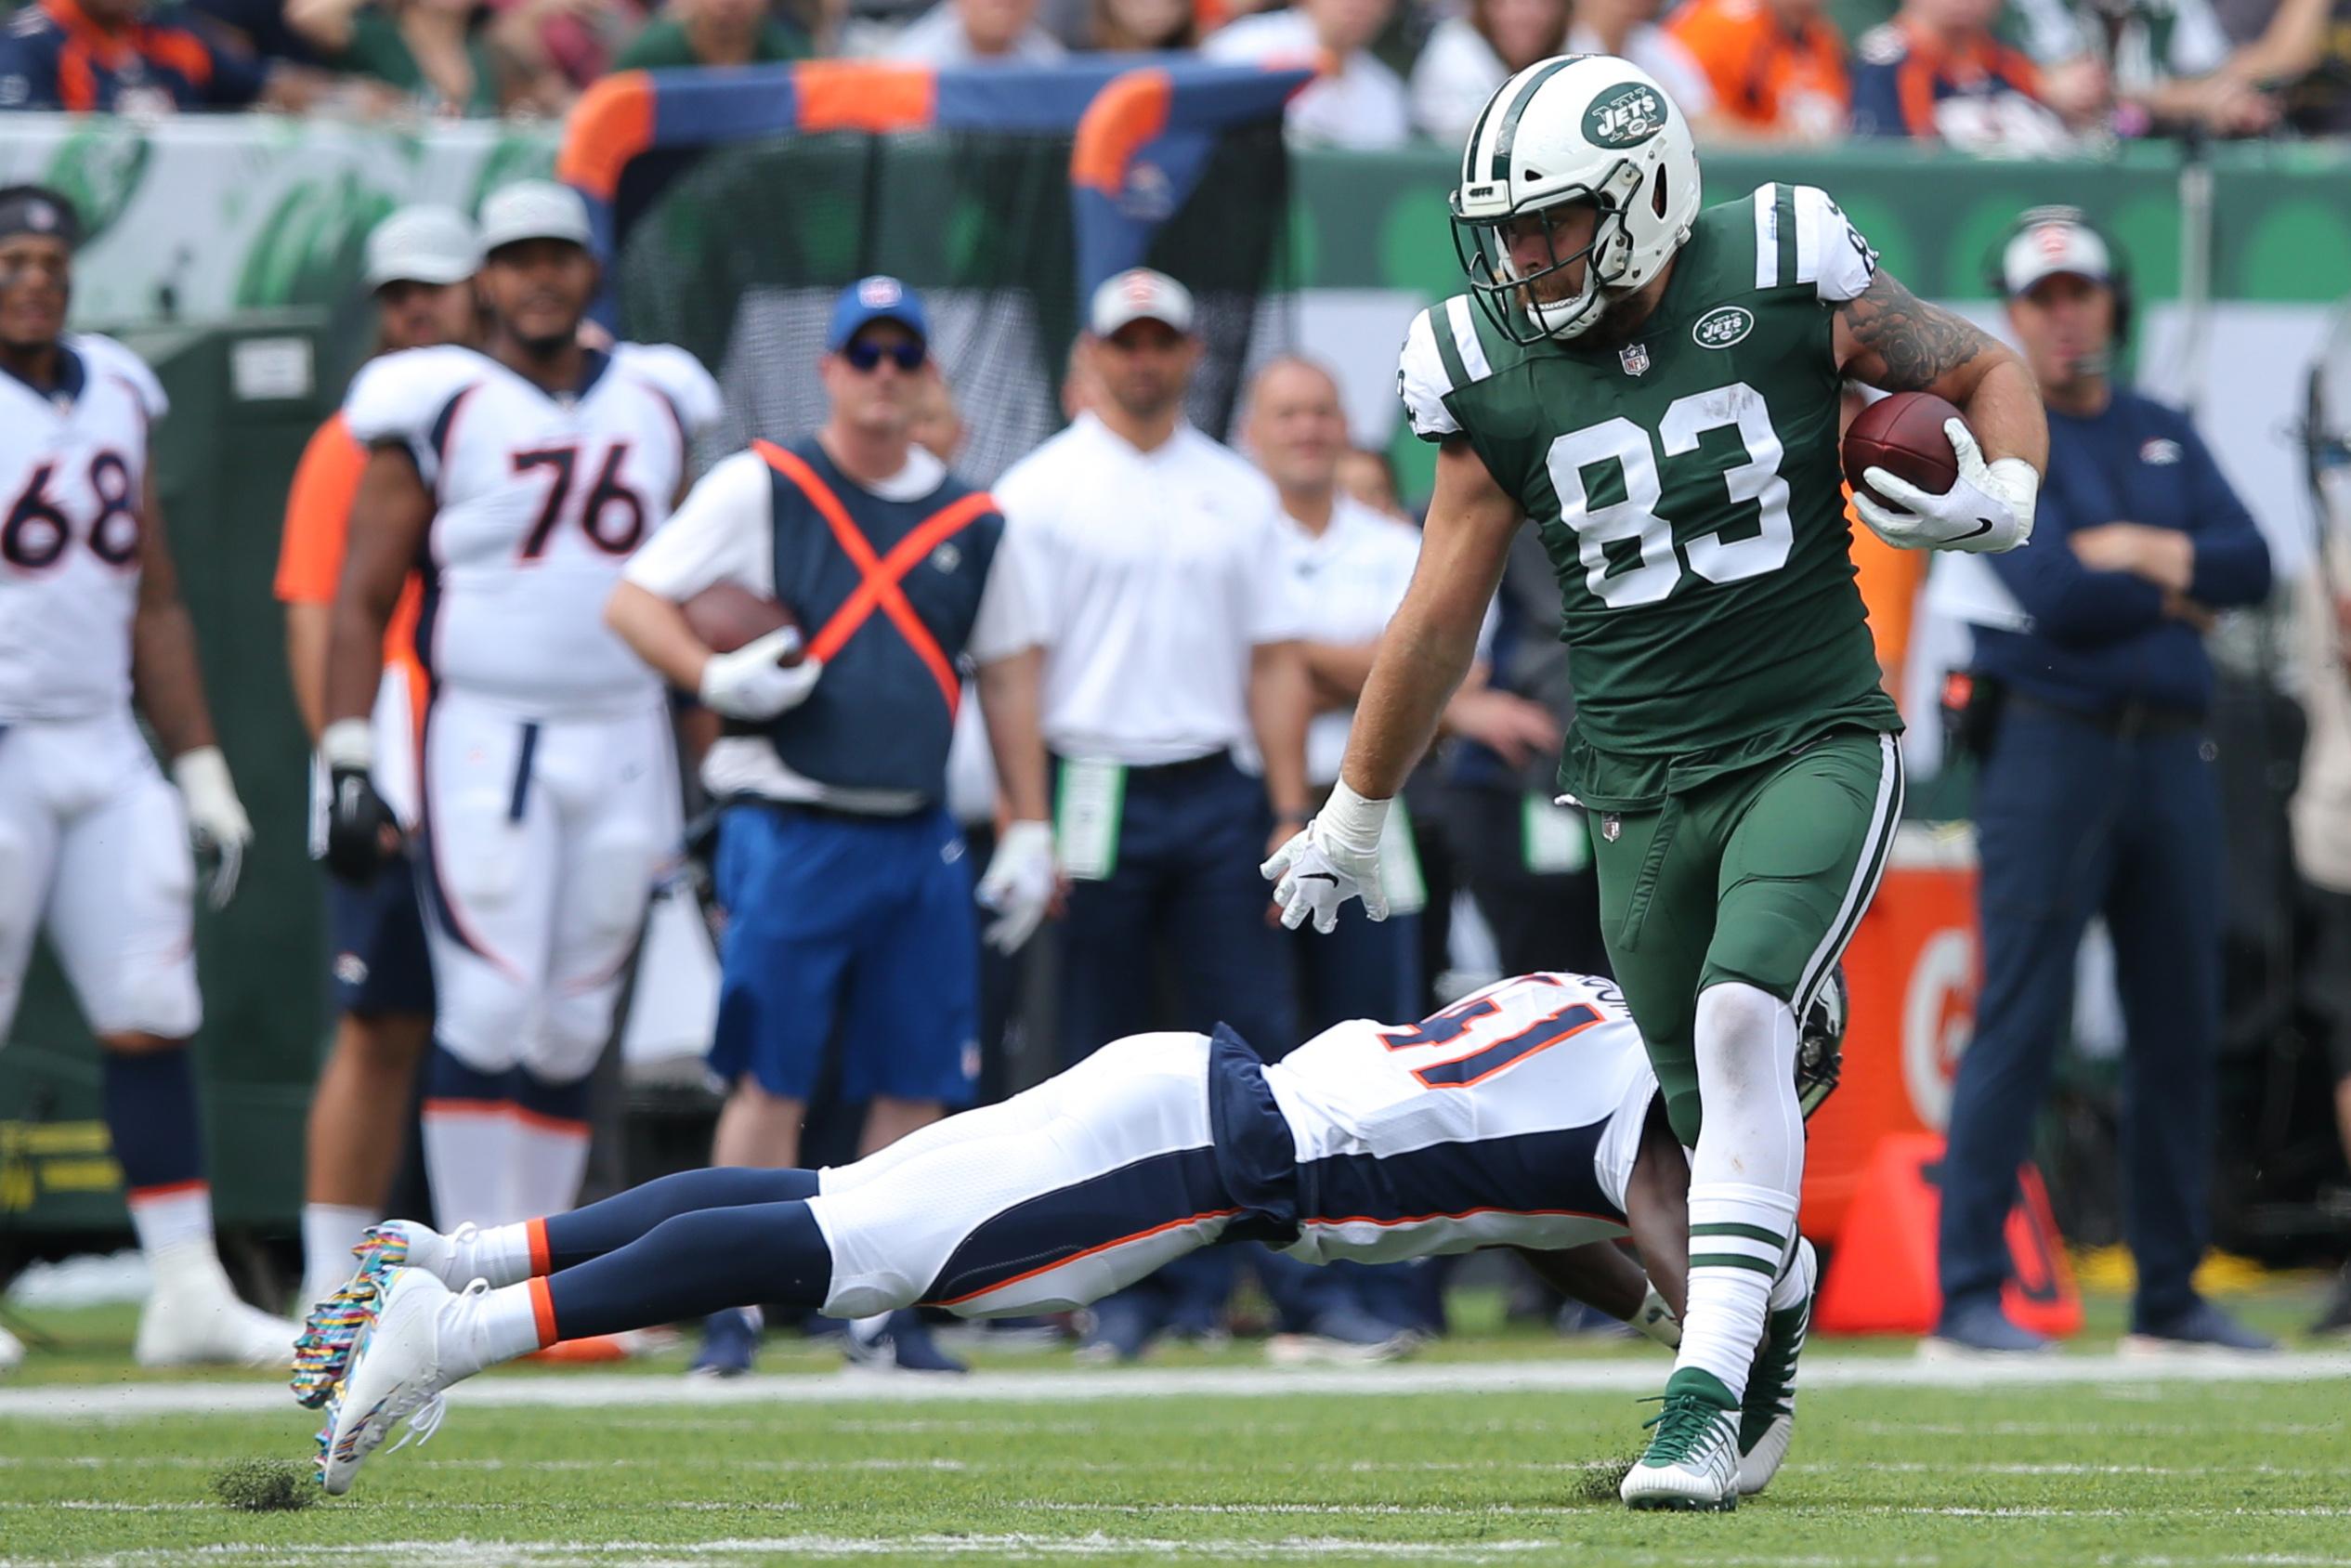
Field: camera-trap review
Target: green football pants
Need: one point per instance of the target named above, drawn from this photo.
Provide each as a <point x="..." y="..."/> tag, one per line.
<point x="1758" y="877"/>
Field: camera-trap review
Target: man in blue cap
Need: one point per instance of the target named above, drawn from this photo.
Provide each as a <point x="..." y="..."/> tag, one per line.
<point x="849" y="905"/>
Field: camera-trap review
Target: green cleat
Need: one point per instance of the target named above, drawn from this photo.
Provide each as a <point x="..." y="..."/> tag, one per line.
<point x="1767" y="1419"/>
<point x="1692" y="1462"/>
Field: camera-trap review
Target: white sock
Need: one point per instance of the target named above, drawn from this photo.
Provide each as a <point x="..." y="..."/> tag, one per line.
<point x="497" y="1326"/>
<point x="550" y="1162"/>
<point x="469" y="1152"/>
<point x="500" y="1254"/>
<point x="175" y="1220"/>
<point x="1795" y="1285"/>
<point x="1743" y="1179"/>
<point x="328" y="1232"/>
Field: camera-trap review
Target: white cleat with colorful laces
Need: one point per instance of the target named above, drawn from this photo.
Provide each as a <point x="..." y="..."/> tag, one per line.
<point x="397" y="1373"/>
<point x="323" y="1351"/>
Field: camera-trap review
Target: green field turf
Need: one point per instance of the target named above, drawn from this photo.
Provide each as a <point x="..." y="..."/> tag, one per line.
<point x="2121" y="1469"/>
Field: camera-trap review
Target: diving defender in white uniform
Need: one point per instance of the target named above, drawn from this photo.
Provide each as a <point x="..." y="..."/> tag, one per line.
<point x="1523" y="1115"/>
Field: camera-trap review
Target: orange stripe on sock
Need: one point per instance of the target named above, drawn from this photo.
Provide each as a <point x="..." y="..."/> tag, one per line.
<point x="542" y="1309"/>
<point x="540" y="1121"/>
<point x="465" y="1109"/>
<point x="169" y="1189"/>
<point x="541" y="1254"/>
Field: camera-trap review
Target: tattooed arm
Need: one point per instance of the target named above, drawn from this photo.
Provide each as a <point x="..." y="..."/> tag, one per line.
<point x="1890" y="339"/>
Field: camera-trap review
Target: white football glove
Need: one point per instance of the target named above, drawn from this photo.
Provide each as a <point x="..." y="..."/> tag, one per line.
<point x="1987" y="510"/>
<point x="1019" y="885"/>
<point x="1335" y="858"/>
<point x="217" y="821"/>
<point x="749" y="684"/>
<point x="1656" y="1319"/>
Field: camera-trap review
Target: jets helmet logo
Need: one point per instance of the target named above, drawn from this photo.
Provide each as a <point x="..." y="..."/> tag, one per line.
<point x="1625" y="116"/>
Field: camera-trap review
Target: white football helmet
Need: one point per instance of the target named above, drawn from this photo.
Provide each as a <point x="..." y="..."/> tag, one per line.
<point x="1819" y="1052"/>
<point x="1574" y="128"/>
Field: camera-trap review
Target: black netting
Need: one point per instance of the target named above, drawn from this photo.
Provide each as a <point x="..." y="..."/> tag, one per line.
<point x="737" y="252"/>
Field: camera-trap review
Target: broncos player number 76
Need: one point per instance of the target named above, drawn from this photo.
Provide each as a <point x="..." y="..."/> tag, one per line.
<point x="1654" y="383"/>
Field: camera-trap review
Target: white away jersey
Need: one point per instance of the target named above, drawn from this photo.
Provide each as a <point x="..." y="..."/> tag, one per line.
<point x="72" y="471"/>
<point x="542" y="498"/>
<point x="1510" y="1118"/>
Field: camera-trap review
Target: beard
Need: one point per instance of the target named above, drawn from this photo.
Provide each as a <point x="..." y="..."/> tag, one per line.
<point x="545" y="346"/>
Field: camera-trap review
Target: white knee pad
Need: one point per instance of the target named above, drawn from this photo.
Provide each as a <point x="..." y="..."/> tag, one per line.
<point x="156" y="995"/>
<point x="607" y="892"/>
<point x="482" y="1015"/>
<point x="131" y="956"/>
<point x="609" y="889"/>
<point x="573" y="1028"/>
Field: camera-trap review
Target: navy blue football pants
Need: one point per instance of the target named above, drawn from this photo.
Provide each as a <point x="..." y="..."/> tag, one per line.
<point x="2073" y="822"/>
<point x="1184" y="902"/>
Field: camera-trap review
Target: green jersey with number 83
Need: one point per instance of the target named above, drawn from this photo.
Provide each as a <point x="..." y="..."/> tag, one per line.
<point x="1688" y="489"/>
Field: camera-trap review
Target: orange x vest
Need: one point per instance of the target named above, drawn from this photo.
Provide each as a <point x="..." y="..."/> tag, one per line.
<point x="888" y="592"/>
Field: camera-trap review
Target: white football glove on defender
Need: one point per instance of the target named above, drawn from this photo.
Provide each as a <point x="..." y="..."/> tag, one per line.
<point x="1987" y="510"/>
<point x="1657" y="1320"/>
<point x="1019" y="885"/>
<point x="749" y="684"/>
<point x="217" y="821"/>
<point x="1335" y="858"/>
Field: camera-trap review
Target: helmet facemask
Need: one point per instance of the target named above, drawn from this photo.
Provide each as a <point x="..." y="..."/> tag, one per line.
<point x="1509" y="297"/>
<point x="1820" y="1051"/>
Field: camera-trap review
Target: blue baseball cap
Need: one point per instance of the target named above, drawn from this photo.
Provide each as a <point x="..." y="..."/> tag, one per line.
<point x="875" y="299"/>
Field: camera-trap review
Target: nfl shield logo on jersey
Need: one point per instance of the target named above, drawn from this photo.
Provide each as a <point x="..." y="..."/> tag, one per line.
<point x="1635" y="359"/>
<point x="1611" y="827"/>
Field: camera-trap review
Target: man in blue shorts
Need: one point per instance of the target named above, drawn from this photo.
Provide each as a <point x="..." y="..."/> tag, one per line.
<point x="848" y="902"/>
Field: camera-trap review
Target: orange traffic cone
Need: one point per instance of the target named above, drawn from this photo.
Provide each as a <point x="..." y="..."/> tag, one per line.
<point x="1882" y="1279"/>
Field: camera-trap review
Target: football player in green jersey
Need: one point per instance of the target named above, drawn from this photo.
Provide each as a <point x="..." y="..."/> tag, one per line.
<point x="1654" y="384"/>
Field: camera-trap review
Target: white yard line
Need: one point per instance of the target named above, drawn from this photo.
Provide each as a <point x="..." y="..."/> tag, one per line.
<point x="127" y="1400"/>
<point x="706" y="1554"/>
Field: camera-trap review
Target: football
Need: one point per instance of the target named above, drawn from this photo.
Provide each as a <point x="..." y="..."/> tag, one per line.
<point x="726" y="615"/>
<point x="1903" y="434"/>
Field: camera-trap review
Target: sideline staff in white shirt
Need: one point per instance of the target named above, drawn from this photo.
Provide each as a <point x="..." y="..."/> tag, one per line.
<point x="1348" y="567"/>
<point x="1151" y="557"/>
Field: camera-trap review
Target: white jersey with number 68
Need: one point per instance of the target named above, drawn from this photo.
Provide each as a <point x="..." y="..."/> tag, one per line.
<point x="73" y="467"/>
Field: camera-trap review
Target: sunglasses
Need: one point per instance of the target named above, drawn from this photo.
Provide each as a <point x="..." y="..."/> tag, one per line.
<point x="865" y="358"/>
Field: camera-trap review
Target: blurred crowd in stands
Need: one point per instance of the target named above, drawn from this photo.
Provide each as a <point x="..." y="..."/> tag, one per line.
<point x="2019" y="77"/>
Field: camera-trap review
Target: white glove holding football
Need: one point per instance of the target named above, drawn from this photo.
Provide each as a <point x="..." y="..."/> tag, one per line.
<point x="1019" y="885"/>
<point x="1335" y="858"/>
<point x="1987" y="510"/>
<point x="217" y="821"/>
<point x="751" y="683"/>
